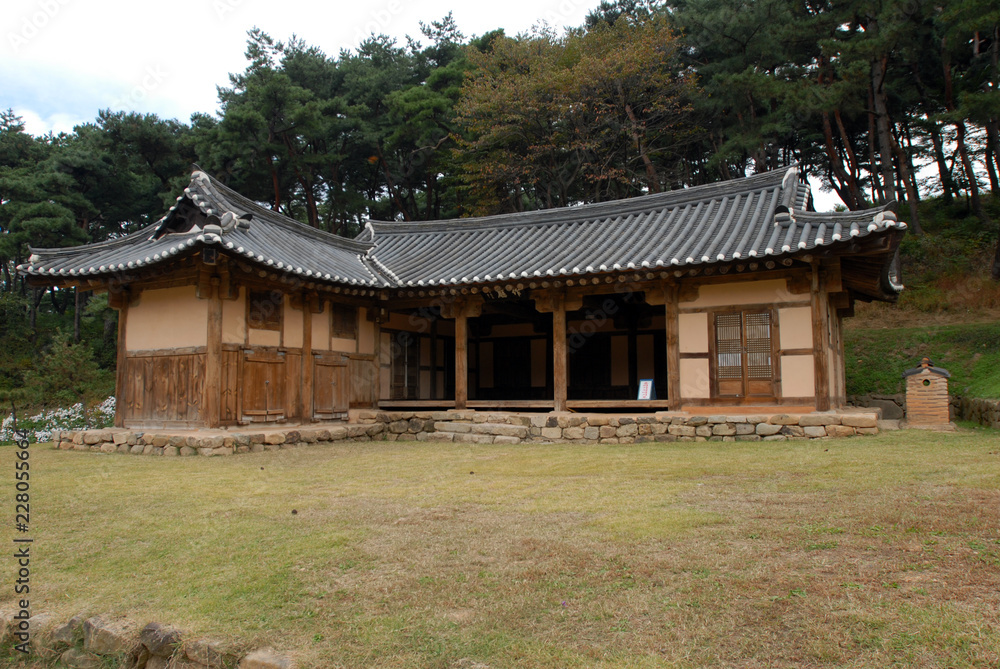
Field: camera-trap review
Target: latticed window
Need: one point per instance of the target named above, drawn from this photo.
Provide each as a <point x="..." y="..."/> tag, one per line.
<point x="344" y="321"/>
<point x="265" y="309"/>
<point x="743" y="354"/>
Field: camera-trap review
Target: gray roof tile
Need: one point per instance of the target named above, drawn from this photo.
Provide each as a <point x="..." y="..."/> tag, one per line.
<point x="694" y="227"/>
<point x="721" y="222"/>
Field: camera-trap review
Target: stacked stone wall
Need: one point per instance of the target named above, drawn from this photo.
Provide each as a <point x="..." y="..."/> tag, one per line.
<point x="475" y="427"/>
<point x="104" y="641"/>
<point x="984" y="412"/>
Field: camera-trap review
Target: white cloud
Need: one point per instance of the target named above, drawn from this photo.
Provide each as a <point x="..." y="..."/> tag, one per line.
<point x="62" y="59"/>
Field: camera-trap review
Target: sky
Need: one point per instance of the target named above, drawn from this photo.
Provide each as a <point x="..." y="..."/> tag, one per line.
<point x="62" y="61"/>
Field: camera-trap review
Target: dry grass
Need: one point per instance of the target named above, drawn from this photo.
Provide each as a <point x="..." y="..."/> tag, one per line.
<point x="853" y="553"/>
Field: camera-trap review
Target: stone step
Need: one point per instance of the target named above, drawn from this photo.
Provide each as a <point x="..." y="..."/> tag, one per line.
<point x="495" y="429"/>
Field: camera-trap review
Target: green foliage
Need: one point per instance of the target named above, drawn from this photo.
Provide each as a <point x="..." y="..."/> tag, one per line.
<point x="591" y="116"/>
<point x="67" y="374"/>
<point x="876" y="358"/>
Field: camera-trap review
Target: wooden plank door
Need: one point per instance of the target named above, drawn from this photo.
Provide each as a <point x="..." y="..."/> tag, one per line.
<point x="263" y="392"/>
<point x="744" y="355"/>
<point x="331" y="388"/>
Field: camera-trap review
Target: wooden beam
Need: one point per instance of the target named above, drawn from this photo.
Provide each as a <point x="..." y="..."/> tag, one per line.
<point x="213" y="358"/>
<point x="461" y="360"/>
<point x="122" y="362"/>
<point x="560" y="378"/>
<point x="819" y="326"/>
<point x="672" y="293"/>
<point x="306" y="408"/>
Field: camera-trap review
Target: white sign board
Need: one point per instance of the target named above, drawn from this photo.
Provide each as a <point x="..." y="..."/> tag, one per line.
<point x="646" y="390"/>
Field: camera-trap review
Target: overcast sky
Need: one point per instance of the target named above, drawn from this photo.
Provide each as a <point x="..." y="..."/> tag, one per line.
<point x="63" y="60"/>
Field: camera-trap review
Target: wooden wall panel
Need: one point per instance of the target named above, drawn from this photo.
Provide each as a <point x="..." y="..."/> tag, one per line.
<point x="230" y="387"/>
<point x="362" y="370"/>
<point x="331" y="388"/>
<point x="163" y="389"/>
<point x="263" y="389"/>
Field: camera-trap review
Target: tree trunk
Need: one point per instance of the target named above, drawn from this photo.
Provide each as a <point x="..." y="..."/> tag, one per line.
<point x="948" y="187"/>
<point x="960" y="131"/>
<point x="878" y="195"/>
<point x="991" y="169"/>
<point x="652" y="182"/>
<point x="77" y="308"/>
<point x="882" y="123"/>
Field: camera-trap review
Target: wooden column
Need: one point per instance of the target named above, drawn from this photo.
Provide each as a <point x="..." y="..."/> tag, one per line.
<point x="817" y="299"/>
<point x="673" y="328"/>
<point x="121" y="401"/>
<point x="306" y="396"/>
<point x="213" y="358"/>
<point x="461" y="359"/>
<point x="560" y="378"/>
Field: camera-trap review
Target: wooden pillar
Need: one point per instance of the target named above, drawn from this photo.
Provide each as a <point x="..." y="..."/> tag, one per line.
<point x="306" y="396"/>
<point x="560" y="380"/>
<point x="213" y="358"/>
<point x="122" y="361"/>
<point x="818" y="301"/>
<point x="434" y="363"/>
<point x="672" y="295"/>
<point x="461" y="359"/>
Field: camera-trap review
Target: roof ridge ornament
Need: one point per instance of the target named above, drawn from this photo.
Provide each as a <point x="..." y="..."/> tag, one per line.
<point x="784" y="217"/>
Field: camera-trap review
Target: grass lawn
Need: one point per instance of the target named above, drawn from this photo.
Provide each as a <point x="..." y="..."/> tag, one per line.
<point x="880" y="551"/>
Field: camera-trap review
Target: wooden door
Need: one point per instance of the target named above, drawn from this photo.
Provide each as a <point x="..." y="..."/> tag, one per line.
<point x="264" y="381"/>
<point x="331" y="387"/>
<point x="744" y="356"/>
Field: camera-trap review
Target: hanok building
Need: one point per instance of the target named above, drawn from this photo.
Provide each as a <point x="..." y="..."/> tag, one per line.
<point x="725" y="295"/>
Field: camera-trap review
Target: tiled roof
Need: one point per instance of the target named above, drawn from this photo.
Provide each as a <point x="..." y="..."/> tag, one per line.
<point x="759" y="217"/>
<point x="229" y="221"/>
<point x="740" y="219"/>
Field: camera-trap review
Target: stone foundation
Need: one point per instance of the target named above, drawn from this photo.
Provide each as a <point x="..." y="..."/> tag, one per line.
<point x="984" y="412"/>
<point x="481" y="427"/>
<point x="104" y="641"/>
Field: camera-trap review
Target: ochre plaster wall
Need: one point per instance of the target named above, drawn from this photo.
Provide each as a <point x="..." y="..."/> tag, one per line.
<point x="167" y="318"/>
<point x="292" y="324"/>
<point x="771" y="291"/>
<point x="693" y="333"/>
<point x="694" y="378"/>
<point x="264" y="337"/>
<point x="321" y="329"/>
<point x="343" y="345"/>
<point x="366" y="333"/>
<point x="795" y="328"/>
<point x="798" y="376"/>
<point x="234" y="319"/>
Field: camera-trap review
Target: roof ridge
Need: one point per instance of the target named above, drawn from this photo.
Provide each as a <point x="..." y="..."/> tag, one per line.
<point x="622" y="207"/>
<point x="277" y="218"/>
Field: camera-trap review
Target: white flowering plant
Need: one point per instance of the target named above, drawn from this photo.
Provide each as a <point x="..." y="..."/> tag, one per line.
<point x="40" y="426"/>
